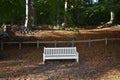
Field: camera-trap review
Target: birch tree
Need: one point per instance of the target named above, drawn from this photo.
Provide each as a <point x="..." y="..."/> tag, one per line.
<point x="26" y="17"/>
<point x="112" y="12"/>
<point x="65" y="13"/>
<point x="29" y="18"/>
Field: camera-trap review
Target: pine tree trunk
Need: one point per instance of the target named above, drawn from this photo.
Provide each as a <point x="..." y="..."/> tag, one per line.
<point x="31" y="21"/>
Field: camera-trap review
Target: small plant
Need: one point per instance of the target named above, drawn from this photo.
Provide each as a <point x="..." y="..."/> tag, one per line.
<point x="3" y="74"/>
<point x="76" y="30"/>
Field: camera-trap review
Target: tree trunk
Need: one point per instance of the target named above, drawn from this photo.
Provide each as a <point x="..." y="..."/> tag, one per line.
<point x="31" y="21"/>
<point x="65" y="18"/>
<point x="58" y="6"/>
<point x="112" y="14"/>
<point x="65" y="14"/>
<point x="26" y="17"/>
<point x="112" y="17"/>
<point x="111" y="21"/>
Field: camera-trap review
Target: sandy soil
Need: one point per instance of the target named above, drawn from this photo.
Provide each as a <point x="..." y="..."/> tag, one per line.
<point x="99" y="62"/>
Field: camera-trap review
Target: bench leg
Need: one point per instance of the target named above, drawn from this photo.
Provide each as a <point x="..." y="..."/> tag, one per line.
<point x="43" y="60"/>
<point x="77" y="60"/>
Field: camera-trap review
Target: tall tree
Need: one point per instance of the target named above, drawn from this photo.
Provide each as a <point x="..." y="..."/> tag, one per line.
<point x="112" y="4"/>
<point x="66" y="3"/>
<point x="65" y="14"/>
<point x="26" y="17"/>
<point x="58" y="14"/>
<point x="31" y="15"/>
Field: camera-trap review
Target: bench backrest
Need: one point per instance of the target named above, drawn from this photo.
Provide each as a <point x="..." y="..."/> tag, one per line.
<point x="60" y="50"/>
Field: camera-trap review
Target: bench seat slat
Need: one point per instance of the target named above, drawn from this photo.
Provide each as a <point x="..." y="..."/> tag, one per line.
<point x="60" y="54"/>
<point x="60" y="58"/>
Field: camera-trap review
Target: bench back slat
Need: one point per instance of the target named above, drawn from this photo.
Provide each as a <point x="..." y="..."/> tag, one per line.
<point x="60" y="50"/>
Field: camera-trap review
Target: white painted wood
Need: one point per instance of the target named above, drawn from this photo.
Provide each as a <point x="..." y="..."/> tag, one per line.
<point x="60" y="53"/>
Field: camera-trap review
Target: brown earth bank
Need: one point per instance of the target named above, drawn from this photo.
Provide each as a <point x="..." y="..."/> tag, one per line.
<point x="60" y="35"/>
<point x="98" y="62"/>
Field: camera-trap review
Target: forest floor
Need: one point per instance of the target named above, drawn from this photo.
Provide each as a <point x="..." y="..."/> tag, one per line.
<point x="99" y="62"/>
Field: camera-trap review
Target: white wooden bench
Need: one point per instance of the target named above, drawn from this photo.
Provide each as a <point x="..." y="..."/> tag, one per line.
<point x="60" y="53"/>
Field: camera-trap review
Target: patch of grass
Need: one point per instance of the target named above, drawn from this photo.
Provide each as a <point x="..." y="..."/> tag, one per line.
<point x="3" y="74"/>
<point x="15" y="64"/>
<point x="76" y="31"/>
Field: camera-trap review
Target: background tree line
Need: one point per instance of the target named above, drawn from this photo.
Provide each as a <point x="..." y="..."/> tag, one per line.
<point x="52" y="12"/>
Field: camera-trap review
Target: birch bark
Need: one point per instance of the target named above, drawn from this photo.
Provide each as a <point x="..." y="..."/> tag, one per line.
<point x="26" y="17"/>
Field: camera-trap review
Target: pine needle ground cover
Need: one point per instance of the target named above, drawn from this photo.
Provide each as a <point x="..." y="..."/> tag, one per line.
<point x="99" y="62"/>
